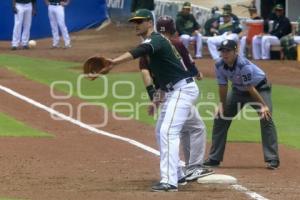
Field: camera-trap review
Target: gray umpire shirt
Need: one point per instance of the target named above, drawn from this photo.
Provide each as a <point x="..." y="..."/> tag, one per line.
<point x="244" y="73"/>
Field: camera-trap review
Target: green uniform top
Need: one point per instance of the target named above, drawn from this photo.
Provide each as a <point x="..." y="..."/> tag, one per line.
<point x="25" y="1"/>
<point x="165" y="62"/>
<point x="230" y="26"/>
<point x="186" y="24"/>
<point x="142" y="4"/>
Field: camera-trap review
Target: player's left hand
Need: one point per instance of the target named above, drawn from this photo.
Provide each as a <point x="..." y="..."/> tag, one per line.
<point x="199" y="76"/>
<point x="153" y="107"/>
<point x="265" y="113"/>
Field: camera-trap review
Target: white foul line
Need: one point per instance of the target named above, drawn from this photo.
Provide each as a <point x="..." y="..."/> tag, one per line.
<point x="240" y="188"/>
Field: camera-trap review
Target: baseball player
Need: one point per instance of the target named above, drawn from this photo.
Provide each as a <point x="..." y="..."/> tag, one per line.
<point x="193" y="133"/>
<point x="23" y="11"/>
<point x="227" y="30"/>
<point x="249" y="85"/>
<point x="261" y="44"/>
<point x="181" y="93"/>
<point x="189" y="29"/>
<point x="56" y="13"/>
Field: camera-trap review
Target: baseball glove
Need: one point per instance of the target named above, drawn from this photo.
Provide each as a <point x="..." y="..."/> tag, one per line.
<point x="94" y="66"/>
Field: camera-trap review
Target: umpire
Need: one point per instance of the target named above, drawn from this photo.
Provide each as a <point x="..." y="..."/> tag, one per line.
<point x="249" y="85"/>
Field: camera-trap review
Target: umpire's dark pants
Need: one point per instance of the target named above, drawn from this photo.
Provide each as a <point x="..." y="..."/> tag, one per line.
<point x="235" y="101"/>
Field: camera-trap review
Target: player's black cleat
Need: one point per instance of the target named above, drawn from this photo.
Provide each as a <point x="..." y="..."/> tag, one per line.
<point x="211" y="163"/>
<point x="273" y="164"/>
<point x="26" y="47"/>
<point x="164" y="187"/>
<point x="199" y="173"/>
<point x="182" y="181"/>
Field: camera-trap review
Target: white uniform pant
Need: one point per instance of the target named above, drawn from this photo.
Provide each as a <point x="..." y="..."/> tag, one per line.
<point x="173" y="115"/>
<point x="22" y="21"/>
<point x="297" y="39"/>
<point x="186" y="39"/>
<point x="243" y="44"/>
<point x="261" y="46"/>
<point x="214" y="42"/>
<point x="57" y="20"/>
<point x="193" y="140"/>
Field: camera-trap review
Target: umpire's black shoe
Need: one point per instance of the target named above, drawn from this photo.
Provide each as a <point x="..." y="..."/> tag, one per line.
<point x="273" y="164"/>
<point x="164" y="187"/>
<point x="211" y="163"/>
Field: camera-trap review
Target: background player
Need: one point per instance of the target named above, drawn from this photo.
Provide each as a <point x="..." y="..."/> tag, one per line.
<point x="23" y="10"/>
<point x="56" y="13"/>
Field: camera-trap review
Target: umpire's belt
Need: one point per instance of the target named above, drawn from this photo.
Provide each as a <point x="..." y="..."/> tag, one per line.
<point x="170" y="87"/>
<point x="263" y="85"/>
<point x="54" y="4"/>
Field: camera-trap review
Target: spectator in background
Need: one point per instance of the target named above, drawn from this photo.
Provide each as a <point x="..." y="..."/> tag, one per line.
<point x="56" y="13"/>
<point x="211" y="26"/>
<point x="23" y="11"/>
<point x="189" y="29"/>
<point x="227" y="30"/>
<point x="228" y="9"/>
<point x="144" y="4"/>
<point x="254" y="16"/>
<point x="261" y="44"/>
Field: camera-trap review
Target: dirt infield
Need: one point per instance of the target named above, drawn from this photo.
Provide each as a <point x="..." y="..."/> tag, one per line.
<point x="77" y="164"/>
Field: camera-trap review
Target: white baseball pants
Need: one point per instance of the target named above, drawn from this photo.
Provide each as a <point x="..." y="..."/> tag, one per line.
<point x="22" y="21"/>
<point x="173" y="115"/>
<point x="243" y="44"/>
<point x="56" y="15"/>
<point x="261" y="46"/>
<point x="214" y="42"/>
<point x="186" y="39"/>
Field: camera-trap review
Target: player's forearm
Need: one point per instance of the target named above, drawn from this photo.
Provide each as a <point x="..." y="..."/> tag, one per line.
<point x="146" y="77"/>
<point x="122" y="58"/>
<point x="256" y="96"/>
<point x="223" y="89"/>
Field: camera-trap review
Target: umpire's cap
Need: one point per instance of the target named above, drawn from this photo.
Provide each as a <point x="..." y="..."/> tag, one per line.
<point x="141" y="14"/>
<point x="228" y="44"/>
<point x="165" y="24"/>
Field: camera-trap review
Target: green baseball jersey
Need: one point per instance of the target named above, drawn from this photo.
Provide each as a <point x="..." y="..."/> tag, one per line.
<point x="165" y="62"/>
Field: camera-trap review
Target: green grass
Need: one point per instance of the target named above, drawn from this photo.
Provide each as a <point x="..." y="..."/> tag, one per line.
<point x="285" y="99"/>
<point x="11" y="127"/>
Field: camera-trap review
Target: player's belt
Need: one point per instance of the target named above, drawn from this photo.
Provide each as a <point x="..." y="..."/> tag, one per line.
<point x="170" y="87"/>
<point x="54" y="4"/>
<point x="261" y="84"/>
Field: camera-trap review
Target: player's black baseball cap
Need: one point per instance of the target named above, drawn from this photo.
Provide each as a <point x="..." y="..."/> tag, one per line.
<point x="278" y="7"/>
<point x="141" y="14"/>
<point x="228" y="44"/>
<point x="187" y="5"/>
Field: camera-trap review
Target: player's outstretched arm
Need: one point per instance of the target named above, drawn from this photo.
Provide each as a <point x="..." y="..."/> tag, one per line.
<point x="122" y="58"/>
